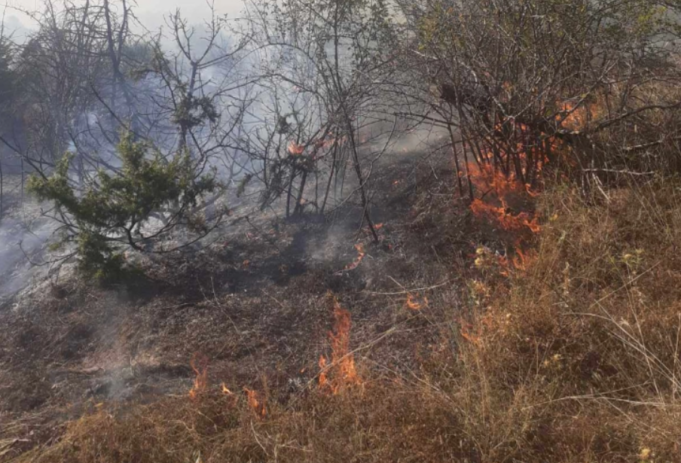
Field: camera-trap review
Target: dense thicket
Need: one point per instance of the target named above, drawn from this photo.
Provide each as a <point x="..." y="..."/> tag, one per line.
<point x="285" y="101"/>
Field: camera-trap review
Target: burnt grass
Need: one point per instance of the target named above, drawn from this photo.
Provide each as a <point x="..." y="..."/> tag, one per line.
<point x="255" y="302"/>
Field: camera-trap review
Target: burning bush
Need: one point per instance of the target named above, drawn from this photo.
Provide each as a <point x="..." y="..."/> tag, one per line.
<point x="562" y="347"/>
<point x="521" y="79"/>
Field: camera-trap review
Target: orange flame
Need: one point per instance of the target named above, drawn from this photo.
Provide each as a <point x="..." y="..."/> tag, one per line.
<point x="294" y="149"/>
<point x="578" y="116"/>
<point x="340" y="371"/>
<point x="523" y="261"/>
<point x="225" y="389"/>
<point x="323" y="380"/>
<point x="199" y="364"/>
<point x="532" y="224"/>
<point x="501" y="177"/>
<point x="258" y="407"/>
<point x="499" y="188"/>
<point x="503" y="216"/>
<point x="470" y="334"/>
<point x="574" y="117"/>
<point x="416" y="302"/>
<point x="485" y="177"/>
<point x="358" y="260"/>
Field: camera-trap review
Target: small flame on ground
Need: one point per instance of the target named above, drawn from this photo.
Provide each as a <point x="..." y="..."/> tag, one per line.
<point x="256" y="405"/>
<point x="323" y="380"/>
<point x="504" y="217"/>
<point x="532" y="224"/>
<point x="467" y="332"/>
<point x="523" y="261"/>
<point x="358" y="260"/>
<point x="199" y="364"/>
<point x="225" y="389"/>
<point x="416" y="302"/>
<point x="340" y="371"/>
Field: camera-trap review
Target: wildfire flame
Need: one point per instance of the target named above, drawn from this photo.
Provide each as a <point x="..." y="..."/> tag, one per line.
<point x="225" y="389"/>
<point x="504" y="192"/>
<point x="504" y="217"/>
<point x="256" y="405"/>
<point x="323" y="380"/>
<point x="199" y="364"/>
<point x="294" y="149"/>
<point x="358" y="260"/>
<point x="484" y="176"/>
<point x="416" y="302"/>
<point x="576" y="118"/>
<point x="499" y="188"/>
<point x="340" y="371"/>
<point x="470" y="333"/>
<point x="522" y="261"/>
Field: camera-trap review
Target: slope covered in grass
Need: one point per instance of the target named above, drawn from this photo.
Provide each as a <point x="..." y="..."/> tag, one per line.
<point x="571" y="357"/>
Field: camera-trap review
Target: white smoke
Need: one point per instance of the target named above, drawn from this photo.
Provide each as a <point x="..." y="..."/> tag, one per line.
<point x="22" y="246"/>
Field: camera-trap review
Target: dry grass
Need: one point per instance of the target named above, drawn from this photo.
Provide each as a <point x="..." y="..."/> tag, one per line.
<point x="574" y="359"/>
<point x="583" y="344"/>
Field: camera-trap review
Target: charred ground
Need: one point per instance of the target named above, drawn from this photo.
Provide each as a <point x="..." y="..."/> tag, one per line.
<point x="255" y="303"/>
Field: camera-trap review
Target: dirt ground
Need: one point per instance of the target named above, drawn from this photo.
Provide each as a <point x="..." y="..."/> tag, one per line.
<point x="254" y="305"/>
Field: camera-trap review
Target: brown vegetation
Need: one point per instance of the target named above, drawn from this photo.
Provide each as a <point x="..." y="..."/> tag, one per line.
<point x="570" y="357"/>
<point x="517" y="301"/>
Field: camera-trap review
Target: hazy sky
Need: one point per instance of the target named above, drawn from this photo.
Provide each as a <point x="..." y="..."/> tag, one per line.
<point x="150" y="12"/>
